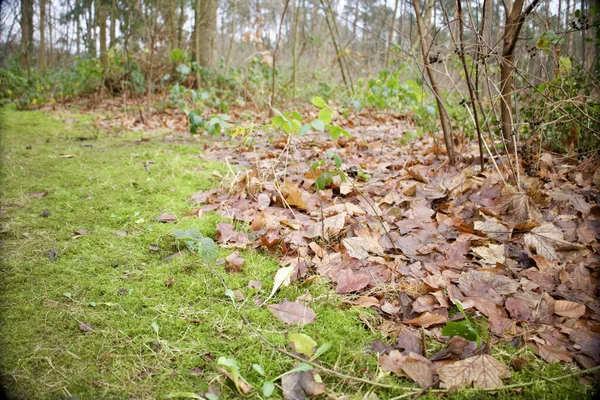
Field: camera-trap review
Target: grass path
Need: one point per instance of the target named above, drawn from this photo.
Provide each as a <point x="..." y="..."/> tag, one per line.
<point x="116" y="283"/>
<point x="81" y="326"/>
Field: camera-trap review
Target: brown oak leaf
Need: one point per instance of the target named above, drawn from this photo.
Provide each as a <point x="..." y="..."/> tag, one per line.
<point x="482" y="371"/>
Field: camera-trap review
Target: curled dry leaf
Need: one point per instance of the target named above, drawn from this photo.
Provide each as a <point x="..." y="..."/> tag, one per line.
<point x="426" y="320"/>
<point x="293" y="312"/>
<point x="492" y="254"/>
<point x="482" y="371"/>
<point x="166" y="218"/>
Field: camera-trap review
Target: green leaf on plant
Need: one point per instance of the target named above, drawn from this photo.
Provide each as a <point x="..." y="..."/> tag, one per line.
<point x="268" y="388"/>
<point x="338" y="160"/>
<point x="320" y="182"/>
<point x="227" y="362"/>
<point x="258" y="368"/>
<point x="184" y="395"/>
<point x="229" y="293"/>
<point x="183" y="69"/>
<point x="319" y="102"/>
<point x="304" y="129"/>
<point x="302" y="367"/>
<point x="335" y="132"/>
<point x="318" y="125"/>
<point x="208" y="250"/>
<point x="322" y="349"/>
<point x="325" y="116"/>
<point x="303" y="344"/>
<point x="462" y="328"/>
<point x="155" y="327"/>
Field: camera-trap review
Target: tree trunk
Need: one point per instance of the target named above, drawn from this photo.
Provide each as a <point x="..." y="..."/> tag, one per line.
<point x="113" y="24"/>
<point x="26" y="32"/>
<point x="207" y="32"/>
<point x="295" y="51"/>
<point x="515" y="16"/>
<point x="448" y="140"/>
<point x="232" y="39"/>
<point x="42" y="60"/>
<point x="102" y="15"/>
<point x="391" y="38"/>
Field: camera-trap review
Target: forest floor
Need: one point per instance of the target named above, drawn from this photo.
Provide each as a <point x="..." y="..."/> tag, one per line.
<point x="98" y="300"/>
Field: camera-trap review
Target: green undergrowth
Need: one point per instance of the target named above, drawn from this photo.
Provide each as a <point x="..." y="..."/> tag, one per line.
<point x="147" y="339"/>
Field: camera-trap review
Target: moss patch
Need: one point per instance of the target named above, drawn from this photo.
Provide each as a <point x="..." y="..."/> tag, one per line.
<point x="112" y="278"/>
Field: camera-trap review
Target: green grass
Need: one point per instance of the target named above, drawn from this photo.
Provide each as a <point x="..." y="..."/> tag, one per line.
<point x="116" y="283"/>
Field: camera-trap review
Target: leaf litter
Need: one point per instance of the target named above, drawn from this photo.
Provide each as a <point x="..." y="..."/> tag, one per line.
<point x="526" y="260"/>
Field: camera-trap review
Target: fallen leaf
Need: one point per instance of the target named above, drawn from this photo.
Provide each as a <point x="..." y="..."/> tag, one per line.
<point x="482" y="371"/>
<point x="546" y="239"/>
<point x="166" y="218"/>
<point x="239" y="381"/>
<point x="83" y="327"/>
<point x="492" y="254"/>
<point x="153" y="247"/>
<point x="517" y="207"/>
<point x="299" y="385"/>
<point x="66" y="156"/>
<point x="264" y="200"/>
<point x="569" y="309"/>
<point x="52" y="254"/>
<point x="364" y="301"/>
<point x="255" y="285"/>
<point x="293" y="312"/>
<point x="234" y="262"/>
<point x="553" y="354"/>
<point x="426" y="320"/>
<point x="349" y="281"/>
<point x="79" y="233"/>
<point x="37" y="195"/>
<point x="169" y="281"/>
<point x="411" y="365"/>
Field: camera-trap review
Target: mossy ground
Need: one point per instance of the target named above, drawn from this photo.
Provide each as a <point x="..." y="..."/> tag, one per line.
<point x="116" y="283"/>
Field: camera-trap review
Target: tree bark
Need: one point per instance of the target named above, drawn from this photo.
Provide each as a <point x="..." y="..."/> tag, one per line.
<point x="113" y="24"/>
<point x="448" y="140"/>
<point x="515" y="16"/>
<point x="26" y="32"/>
<point x="42" y="57"/>
<point x="102" y="15"/>
<point x="391" y="37"/>
<point x="206" y="33"/>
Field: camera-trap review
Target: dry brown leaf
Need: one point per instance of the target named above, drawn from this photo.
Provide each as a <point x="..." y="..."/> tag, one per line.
<point x="412" y="365"/>
<point x="482" y="371"/>
<point x="569" y="309"/>
<point x="356" y="247"/>
<point x="492" y="254"/>
<point x="293" y="312"/>
<point x="298" y="385"/>
<point x="426" y="320"/>
<point x="244" y="386"/>
<point x="264" y="200"/>
<point x="517" y="207"/>
<point x="364" y="301"/>
<point x="166" y="218"/>
<point x="546" y="239"/>
<point x="234" y="262"/>
<point x="553" y="354"/>
<point x="349" y="281"/>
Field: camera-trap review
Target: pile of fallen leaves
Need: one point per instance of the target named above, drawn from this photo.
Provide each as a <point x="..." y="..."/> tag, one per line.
<point x="410" y="236"/>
